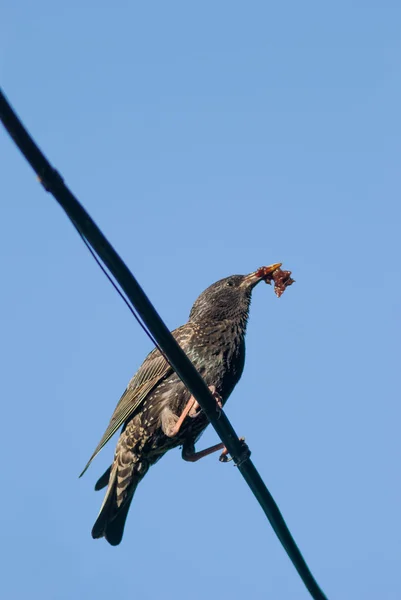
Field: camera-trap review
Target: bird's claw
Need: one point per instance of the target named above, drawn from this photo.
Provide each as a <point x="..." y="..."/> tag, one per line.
<point x="196" y="409"/>
<point x="224" y="458"/>
<point x="244" y="455"/>
<point x="218" y="398"/>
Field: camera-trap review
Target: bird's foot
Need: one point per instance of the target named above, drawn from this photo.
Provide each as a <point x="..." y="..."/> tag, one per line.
<point x="196" y="409"/>
<point x="245" y="454"/>
<point x="218" y="398"/>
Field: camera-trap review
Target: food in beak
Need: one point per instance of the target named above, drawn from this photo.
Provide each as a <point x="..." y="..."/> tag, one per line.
<point x="281" y="279"/>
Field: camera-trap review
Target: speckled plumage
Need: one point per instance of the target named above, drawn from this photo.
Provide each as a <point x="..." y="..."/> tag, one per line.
<point x="213" y="339"/>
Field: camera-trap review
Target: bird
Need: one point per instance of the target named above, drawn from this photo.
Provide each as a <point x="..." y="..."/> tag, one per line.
<point x="158" y="413"/>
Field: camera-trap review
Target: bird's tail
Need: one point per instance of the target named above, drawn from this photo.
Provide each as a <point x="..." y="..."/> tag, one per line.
<point x="103" y="481"/>
<point x="114" y="510"/>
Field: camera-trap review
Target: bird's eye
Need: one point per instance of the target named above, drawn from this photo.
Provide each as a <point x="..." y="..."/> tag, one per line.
<point x="230" y="283"/>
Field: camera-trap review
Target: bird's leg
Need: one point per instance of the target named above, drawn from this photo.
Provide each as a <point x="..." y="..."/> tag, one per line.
<point x="171" y="426"/>
<point x="189" y="454"/>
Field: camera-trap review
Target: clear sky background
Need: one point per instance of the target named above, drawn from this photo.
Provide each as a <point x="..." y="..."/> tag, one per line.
<point x="206" y="140"/>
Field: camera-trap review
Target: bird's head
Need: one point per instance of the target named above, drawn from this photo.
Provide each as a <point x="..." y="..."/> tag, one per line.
<point x="230" y="297"/>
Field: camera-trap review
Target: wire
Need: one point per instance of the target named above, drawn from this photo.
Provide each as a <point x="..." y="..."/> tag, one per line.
<point x="53" y="183"/>
<point x="119" y="292"/>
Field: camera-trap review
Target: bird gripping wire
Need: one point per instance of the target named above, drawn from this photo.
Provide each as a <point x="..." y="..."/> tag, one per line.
<point x="53" y="183"/>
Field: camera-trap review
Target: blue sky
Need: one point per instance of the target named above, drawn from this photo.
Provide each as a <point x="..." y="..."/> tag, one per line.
<point x="205" y="140"/>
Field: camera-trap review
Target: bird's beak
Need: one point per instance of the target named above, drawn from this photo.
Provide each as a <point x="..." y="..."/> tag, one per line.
<point x="262" y="273"/>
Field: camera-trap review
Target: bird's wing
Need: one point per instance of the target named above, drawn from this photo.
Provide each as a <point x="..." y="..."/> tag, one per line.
<point x="153" y="369"/>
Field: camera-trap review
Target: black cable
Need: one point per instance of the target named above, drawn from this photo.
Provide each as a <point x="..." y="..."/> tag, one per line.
<point x="53" y="183"/>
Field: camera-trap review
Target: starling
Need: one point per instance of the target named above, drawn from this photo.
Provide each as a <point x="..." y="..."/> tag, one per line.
<point x="157" y="411"/>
